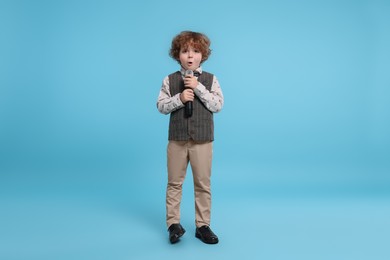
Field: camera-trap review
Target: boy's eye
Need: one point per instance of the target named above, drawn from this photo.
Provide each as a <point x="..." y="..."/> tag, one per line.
<point x="197" y="51"/>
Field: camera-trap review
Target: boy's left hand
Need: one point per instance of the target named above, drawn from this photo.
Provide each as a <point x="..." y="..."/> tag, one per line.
<point x="190" y="82"/>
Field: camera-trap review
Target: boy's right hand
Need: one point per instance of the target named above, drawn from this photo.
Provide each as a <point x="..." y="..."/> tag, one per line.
<point x="187" y="95"/>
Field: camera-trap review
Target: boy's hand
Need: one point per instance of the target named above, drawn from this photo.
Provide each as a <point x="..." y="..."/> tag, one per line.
<point x="190" y="82"/>
<point x="187" y="95"/>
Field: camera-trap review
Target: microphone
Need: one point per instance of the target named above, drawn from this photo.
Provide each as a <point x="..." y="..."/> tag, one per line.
<point x="188" y="105"/>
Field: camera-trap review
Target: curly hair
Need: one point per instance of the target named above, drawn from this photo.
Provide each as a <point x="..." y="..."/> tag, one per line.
<point x="196" y="40"/>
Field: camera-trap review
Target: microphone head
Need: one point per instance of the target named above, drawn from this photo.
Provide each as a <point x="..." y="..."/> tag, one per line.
<point x="189" y="73"/>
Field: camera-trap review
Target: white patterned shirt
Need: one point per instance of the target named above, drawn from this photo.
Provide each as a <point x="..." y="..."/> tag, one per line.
<point x="213" y="99"/>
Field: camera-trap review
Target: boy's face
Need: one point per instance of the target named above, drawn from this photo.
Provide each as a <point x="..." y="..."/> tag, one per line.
<point x="190" y="58"/>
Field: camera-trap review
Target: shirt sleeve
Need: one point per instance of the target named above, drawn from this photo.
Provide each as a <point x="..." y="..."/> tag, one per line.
<point x="213" y="99"/>
<point x="165" y="102"/>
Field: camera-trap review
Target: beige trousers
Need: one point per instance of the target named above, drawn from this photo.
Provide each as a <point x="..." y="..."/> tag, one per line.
<point x="199" y="155"/>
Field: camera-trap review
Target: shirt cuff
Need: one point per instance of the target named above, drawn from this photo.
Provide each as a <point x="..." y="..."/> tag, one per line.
<point x="177" y="101"/>
<point x="200" y="89"/>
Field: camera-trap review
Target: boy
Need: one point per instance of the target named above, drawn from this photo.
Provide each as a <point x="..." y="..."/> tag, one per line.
<point x="191" y="100"/>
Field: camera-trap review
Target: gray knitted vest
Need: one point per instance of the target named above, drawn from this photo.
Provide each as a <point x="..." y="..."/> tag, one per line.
<point x="200" y="126"/>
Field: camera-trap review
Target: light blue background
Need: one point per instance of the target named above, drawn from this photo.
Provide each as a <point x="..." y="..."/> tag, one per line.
<point x="301" y="157"/>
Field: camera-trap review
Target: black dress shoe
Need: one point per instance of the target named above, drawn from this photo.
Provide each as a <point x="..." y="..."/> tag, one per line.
<point x="205" y="234"/>
<point x="175" y="232"/>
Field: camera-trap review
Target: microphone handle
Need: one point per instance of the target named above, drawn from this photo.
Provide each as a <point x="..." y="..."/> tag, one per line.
<point x="188" y="109"/>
